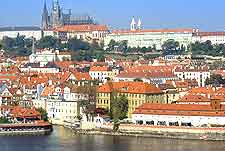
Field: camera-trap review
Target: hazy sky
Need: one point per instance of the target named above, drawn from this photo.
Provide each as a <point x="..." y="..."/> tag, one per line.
<point x="204" y="14"/>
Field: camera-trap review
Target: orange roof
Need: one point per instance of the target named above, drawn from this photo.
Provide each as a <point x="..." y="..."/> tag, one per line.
<point x="152" y="31"/>
<point x="193" y="98"/>
<point x="129" y="87"/>
<point x="150" y="74"/>
<point x="82" y="28"/>
<point x="179" y="109"/>
<point x="24" y="112"/>
<point x="48" y="90"/>
<point x="81" y="76"/>
<point x="202" y="90"/>
<point x="99" y="68"/>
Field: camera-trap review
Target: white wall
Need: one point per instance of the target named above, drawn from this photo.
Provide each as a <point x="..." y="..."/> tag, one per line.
<point x="28" y="34"/>
<point x="195" y="120"/>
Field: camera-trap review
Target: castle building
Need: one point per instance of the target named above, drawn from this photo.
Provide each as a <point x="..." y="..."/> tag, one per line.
<point x="57" y="17"/>
<point x="136" y="36"/>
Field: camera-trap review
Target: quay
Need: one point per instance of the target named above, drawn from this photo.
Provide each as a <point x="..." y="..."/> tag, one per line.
<point x="171" y="132"/>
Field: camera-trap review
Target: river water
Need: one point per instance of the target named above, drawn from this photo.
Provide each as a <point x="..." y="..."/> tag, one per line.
<point x="64" y="140"/>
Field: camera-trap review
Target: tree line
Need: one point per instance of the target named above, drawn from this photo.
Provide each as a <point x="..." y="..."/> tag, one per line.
<point x="171" y="47"/>
<point x="80" y="50"/>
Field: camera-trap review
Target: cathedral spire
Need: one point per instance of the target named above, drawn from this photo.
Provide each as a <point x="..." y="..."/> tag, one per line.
<point x="45" y="17"/>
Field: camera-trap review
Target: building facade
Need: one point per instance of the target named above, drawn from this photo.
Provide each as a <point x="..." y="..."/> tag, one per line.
<point x="214" y="37"/>
<point x="138" y="37"/>
<point x="180" y="114"/>
<point x="200" y="74"/>
<point x="137" y="94"/>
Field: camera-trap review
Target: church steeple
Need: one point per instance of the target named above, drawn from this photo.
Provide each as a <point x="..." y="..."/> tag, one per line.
<point x="45" y="18"/>
<point x="139" y="24"/>
<point x="133" y="24"/>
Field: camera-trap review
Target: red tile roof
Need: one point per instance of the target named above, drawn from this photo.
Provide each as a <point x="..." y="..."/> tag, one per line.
<point x="81" y="76"/>
<point x="129" y="87"/>
<point x="152" y="31"/>
<point x="179" y="109"/>
<point x="82" y="28"/>
<point x="193" y="98"/>
<point x="222" y="33"/>
<point x="99" y="68"/>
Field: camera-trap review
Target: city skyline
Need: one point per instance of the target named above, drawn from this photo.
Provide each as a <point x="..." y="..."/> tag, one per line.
<point x="205" y="15"/>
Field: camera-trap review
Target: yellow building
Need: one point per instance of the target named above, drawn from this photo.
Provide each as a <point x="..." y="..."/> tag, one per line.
<point x="137" y="93"/>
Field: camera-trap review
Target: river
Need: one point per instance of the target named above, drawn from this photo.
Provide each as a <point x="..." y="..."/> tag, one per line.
<point x="63" y="139"/>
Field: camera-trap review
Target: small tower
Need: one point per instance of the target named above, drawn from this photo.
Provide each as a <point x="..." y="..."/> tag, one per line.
<point x="33" y="46"/>
<point x="139" y="24"/>
<point x="133" y="24"/>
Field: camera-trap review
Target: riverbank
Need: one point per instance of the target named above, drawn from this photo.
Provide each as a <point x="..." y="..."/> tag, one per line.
<point x="186" y="133"/>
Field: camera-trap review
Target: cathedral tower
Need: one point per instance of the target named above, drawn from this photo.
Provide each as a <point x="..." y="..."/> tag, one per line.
<point x="56" y="16"/>
<point x="45" y="18"/>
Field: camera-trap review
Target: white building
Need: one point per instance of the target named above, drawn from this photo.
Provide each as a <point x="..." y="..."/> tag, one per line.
<point x="214" y="37"/>
<point x="28" y="32"/>
<point x="103" y="73"/>
<point x="138" y="37"/>
<point x="87" y="33"/>
<point x="61" y="104"/>
<point x="180" y="115"/>
<point x="199" y="74"/>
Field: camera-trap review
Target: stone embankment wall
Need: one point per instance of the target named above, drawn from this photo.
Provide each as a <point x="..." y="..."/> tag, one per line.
<point x="159" y="132"/>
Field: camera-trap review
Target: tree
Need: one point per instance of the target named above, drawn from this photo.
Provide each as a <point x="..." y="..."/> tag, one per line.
<point x="119" y="109"/>
<point x="44" y="114"/>
<point x="170" y="47"/>
<point x="77" y="44"/>
<point x="215" y="80"/>
<point x="123" y="46"/>
<point x="112" y="45"/>
<point x="88" y="105"/>
<point x="4" y="120"/>
<point x="144" y="49"/>
<point x="47" y="42"/>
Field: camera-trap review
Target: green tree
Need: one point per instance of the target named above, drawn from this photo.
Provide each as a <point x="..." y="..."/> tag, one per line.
<point x="170" y="47"/>
<point x="111" y="45"/>
<point x="215" y="80"/>
<point x="123" y="46"/>
<point x="119" y="109"/>
<point x="44" y="114"/>
<point x="48" y="42"/>
<point x="4" y="120"/>
<point x="77" y="44"/>
<point x="88" y="105"/>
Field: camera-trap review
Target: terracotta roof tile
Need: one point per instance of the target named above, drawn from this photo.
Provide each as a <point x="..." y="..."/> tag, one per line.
<point x="129" y="87"/>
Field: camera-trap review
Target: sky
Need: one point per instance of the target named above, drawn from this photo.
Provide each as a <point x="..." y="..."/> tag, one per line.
<point x="207" y="15"/>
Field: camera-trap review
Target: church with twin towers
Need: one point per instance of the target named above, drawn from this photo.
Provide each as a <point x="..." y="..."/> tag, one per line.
<point x="56" y="17"/>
